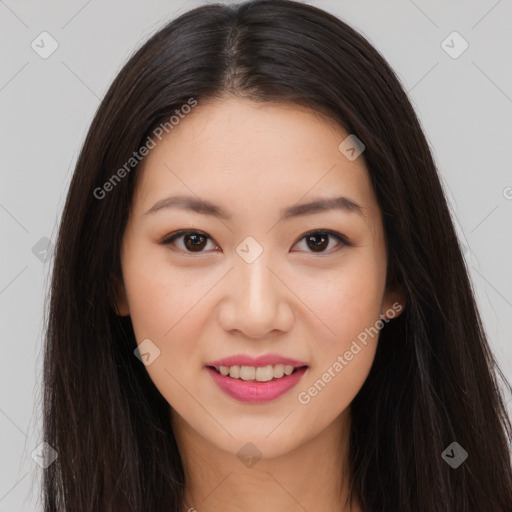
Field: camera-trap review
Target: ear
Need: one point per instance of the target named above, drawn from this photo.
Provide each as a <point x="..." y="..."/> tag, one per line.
<point x="120" y="306"/>
<point x="394" y="302"/>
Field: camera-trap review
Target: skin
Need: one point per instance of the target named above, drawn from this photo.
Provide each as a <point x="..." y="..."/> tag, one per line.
<point x="255" y="159"/>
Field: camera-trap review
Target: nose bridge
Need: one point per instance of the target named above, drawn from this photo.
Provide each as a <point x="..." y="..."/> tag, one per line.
<point x="256" y="288"/>
<point x="256" y="299"/>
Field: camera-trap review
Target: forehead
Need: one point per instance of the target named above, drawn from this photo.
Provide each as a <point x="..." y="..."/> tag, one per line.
<point x="242" y="128"/>
<point x="233" y="149"/>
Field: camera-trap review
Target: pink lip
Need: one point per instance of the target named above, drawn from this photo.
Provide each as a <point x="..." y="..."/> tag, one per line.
<point x="256" y="392"/>
<point x="245" y="360"/>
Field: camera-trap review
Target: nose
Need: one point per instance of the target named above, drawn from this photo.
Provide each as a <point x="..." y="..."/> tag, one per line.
<point x="257" y="302"/>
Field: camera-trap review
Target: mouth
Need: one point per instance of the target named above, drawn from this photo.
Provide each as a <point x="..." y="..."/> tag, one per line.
<point x="262" y="374"/>
<point x="256" y="385"/>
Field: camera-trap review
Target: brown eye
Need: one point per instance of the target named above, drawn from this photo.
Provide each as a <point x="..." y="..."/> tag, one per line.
<point x="193" y="241"/>
<point x="319" y="241"/>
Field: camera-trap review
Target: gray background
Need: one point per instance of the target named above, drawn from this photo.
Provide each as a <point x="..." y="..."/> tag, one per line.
<point x="464" y="104"/>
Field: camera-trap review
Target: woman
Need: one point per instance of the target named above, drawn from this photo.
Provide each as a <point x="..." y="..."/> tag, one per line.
<point x="259" y="300"/>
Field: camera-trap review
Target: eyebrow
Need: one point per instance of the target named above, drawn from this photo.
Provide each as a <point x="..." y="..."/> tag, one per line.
<point x="206" y="208"/>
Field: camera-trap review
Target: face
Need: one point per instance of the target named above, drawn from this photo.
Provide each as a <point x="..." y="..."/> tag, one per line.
<point x="261" y="275"/>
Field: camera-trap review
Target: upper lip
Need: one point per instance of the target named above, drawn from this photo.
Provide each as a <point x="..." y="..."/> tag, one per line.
<point x="265" y="360"/>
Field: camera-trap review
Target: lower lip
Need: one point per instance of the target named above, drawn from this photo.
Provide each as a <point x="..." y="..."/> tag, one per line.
<point x="256" y="392"/>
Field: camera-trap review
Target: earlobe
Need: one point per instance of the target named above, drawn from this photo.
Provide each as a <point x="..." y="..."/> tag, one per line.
<point x="120" y="305"/>
<point x="393" y="304"/>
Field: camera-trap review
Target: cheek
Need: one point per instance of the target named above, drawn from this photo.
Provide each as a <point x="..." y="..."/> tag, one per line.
<point x="350" y="299"/>
<point x="159" y="295"/>
<point x="349" y="305"/>
<point x="165" y="307"/>
<point x="152" y="302"/>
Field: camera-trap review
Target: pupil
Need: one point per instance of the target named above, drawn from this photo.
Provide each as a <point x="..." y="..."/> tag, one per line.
<point x="322" y="245"/>
<point x="194" y="239"/>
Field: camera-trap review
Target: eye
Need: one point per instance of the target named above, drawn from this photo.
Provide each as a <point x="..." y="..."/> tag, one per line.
<point x="195" y="241"/>
<point x="319" y="240"/>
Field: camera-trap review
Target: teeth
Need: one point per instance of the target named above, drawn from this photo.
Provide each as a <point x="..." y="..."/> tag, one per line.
<point x="264" y="373"/>
<point x="234" y="372"/>
<point x="278" y="371"/>
<point x="247" y="372"/>
<point x="288" y="369"/>
<point x="260" y="373"/>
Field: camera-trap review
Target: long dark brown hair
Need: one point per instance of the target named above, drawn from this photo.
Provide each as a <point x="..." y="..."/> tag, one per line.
<point x="434" y="380"/>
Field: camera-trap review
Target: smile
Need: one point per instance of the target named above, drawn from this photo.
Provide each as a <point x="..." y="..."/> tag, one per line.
<point x="256" y="384"/>
<point x="258" y="373"/>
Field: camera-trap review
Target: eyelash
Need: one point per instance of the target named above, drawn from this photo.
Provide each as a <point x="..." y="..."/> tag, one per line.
<point x="341" y="238"/>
